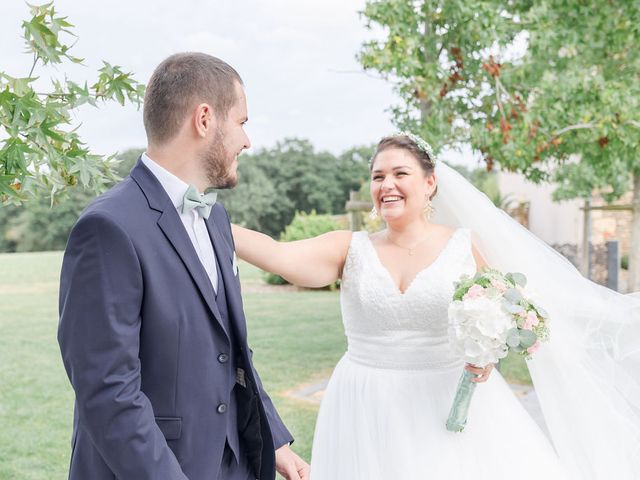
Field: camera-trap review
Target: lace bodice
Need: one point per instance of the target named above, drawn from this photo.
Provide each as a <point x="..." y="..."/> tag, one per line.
<point x="390" y="329"/>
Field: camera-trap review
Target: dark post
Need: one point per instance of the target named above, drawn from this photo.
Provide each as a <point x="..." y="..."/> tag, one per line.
<point x="354" y="208"/>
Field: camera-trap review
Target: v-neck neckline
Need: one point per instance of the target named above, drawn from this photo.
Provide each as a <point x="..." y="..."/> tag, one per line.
<point x="420" y="272"/>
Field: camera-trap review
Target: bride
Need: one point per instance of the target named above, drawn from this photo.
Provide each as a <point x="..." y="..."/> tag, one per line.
<point x="383" y="415"/>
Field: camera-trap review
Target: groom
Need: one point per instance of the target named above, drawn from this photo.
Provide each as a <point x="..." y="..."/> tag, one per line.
<point x="152" y="329"/>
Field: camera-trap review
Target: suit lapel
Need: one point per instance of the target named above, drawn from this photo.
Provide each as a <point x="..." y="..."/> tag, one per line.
<point x="173" y="228"/>
<point x="224" y="253"/>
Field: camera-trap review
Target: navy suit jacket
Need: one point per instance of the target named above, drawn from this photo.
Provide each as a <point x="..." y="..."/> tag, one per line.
<point x="143" y="342"/>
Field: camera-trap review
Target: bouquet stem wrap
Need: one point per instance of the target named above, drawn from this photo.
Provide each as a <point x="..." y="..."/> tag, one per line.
<point x="460" y="408"/>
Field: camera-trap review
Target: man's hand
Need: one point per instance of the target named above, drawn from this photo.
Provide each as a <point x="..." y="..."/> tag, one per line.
<point x="290" y="465"/>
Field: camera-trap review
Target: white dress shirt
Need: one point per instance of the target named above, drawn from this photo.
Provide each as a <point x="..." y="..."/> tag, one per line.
<point x="192" y="221"/>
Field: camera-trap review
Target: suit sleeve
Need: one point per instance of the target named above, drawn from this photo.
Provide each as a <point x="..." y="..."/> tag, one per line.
<point x="281" y="436"/>
<point x="101" y="290"/>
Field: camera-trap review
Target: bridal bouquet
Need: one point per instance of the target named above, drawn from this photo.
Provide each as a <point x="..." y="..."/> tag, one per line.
<point x="490" y="315"/>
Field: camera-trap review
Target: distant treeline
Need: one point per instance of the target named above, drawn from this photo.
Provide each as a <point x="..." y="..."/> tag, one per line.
<point x="274" y="184"/>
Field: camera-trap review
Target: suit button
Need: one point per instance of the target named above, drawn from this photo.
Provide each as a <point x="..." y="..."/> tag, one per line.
<point x="222" y="408"/>
<point x="223" y="358"/>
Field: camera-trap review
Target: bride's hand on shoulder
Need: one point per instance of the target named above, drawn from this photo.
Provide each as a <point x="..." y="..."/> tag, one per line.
<point x="313" y="262"/>
<point x="482" y="374"/>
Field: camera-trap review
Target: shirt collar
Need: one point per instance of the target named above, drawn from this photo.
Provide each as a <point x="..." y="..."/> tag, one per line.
<point x="174" y="187"/>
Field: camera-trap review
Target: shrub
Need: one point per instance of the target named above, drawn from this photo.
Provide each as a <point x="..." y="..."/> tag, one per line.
<point x="304" y="225"/>
<point x="624" y="262"/>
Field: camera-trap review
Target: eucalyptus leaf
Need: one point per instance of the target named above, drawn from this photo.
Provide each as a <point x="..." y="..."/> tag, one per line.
<point x="513" y="295"/>
<point x="542" y="312"/>
<point x="513" y="338"/>
<point x="511" y="307"/>
<point x="519" y="278"/>
<point x="527" y="338"/>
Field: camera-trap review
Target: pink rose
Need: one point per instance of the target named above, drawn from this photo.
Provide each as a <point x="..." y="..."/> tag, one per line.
<point x="531" y="321"/>
<point x="533" y="348"/>
<point x="475" y="291"/>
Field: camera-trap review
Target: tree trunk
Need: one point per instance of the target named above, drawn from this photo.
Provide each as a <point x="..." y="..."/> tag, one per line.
<point x="634" y="250"/>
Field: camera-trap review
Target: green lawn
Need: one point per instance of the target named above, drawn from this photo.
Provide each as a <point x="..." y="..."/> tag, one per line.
<point x="296" y="337"/>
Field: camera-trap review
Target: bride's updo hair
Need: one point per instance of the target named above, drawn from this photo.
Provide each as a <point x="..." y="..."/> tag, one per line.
<point x="404" y="142"/>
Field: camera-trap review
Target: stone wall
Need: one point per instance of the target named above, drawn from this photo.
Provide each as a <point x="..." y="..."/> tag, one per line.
<point x="612" y="224"/>
<point x="598" y="259"/>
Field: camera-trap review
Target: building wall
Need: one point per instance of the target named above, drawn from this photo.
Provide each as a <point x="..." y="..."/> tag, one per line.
<point x="554" y="222"/>
<point x="560" y="224"/>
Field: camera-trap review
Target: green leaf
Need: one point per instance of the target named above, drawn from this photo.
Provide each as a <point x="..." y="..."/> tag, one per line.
<point x="519" y="279"/>
<point x="42" y="34"/>
<point x="41" y="151"/>
<point x="513" y="338"/>
<point x="527" y="338"/>
<point x="541" y="312"/>
<point x="512" y="308"/>
<point x="5" y="186"/>
<point x="513" y="295"/>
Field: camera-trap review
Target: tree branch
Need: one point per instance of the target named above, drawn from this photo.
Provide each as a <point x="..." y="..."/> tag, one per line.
<point x="498" y="98"/>
<point x="579" y="126"/>
<point x="34" y="142"/>
<point x="33" y="66"/>
<point x="96" y="96"/>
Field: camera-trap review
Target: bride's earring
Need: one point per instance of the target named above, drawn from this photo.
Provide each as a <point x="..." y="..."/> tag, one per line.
<point x="428" y="209"/>
<point x="373" y="214"/>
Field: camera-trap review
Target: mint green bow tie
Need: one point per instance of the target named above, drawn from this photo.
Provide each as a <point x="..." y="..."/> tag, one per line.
<point x="202" y="203"/>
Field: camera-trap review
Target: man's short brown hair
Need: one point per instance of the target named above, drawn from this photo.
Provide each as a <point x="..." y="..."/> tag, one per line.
<point x="181" y="82"/>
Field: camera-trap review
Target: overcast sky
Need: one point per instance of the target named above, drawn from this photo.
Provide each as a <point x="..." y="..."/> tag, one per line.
<point x="297" y="60"/>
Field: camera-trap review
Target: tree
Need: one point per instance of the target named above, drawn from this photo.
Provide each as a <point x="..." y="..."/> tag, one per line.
<point x="353" y="168"/>
<point x="569" y="111"/>
<point x="274" y="184"/>
<point x="37" y="225"/>
<point x="565" y="111"/>
<point x="255" y="203"/>
<point x="292" y="177"/>
<point x="41" y="150"/>
<point x="433" y="54"/>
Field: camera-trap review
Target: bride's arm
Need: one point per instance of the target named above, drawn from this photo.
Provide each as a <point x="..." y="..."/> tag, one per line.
<point x="314" y="262"/>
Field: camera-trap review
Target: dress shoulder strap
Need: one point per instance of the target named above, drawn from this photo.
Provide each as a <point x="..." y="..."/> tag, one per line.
<point x="356" y="252"/>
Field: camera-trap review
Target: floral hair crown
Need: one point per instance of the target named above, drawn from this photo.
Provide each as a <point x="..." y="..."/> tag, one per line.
<point x="420" y="143"/>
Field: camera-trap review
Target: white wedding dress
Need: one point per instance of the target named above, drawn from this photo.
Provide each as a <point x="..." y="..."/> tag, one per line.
<point x="384" y="411"/>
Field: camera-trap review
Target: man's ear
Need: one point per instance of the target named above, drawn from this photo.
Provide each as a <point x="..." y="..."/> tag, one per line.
<point x="203" y="119"/>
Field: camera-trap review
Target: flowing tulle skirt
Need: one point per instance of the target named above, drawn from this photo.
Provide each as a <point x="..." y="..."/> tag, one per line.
<point x="376" y="423"/>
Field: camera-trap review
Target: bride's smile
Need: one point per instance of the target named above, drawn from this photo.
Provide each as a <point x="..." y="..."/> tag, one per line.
<point x="399" y="185"/>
